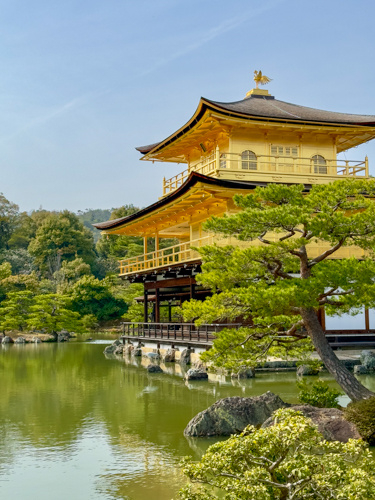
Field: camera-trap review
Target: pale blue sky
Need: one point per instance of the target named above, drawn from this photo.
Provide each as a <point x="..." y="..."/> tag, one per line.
<point x="83" y="82"/>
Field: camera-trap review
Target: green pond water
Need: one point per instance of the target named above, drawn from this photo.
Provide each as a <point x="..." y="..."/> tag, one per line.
<point x="76" y="425"/>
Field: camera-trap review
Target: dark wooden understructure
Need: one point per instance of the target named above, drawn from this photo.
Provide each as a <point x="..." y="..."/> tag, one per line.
<point x="170" y="286"/>
<point x="173" y="284"/>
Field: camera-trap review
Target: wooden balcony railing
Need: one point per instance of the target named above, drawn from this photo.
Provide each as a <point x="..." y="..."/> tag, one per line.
<point x="180" y="332"/>
<point x="219" y="164"/>
<point x="175" y="254"/>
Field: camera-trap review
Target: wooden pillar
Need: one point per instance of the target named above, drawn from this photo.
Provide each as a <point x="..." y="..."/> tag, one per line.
<point x="145" y="306"/>
<point x="169" y="312"/>
<point x="322" y="317"/>
<point x="367" y="320"/>
<point x="192" y="290"/>
<point x="157" y="305"/>
<point x="145" y="244"/>
<point x="156" y="253"/>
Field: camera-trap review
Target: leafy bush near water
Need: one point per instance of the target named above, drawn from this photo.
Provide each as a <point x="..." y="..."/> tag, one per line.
<point x="318" y="394"/>
<point x="289" y="460"/>
<point x="362" y="414"/>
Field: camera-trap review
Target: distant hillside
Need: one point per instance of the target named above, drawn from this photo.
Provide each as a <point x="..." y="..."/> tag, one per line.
<point x="91" y="216"/>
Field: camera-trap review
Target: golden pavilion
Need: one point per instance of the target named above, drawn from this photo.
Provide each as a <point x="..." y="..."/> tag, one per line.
<point x="229" y="148"/>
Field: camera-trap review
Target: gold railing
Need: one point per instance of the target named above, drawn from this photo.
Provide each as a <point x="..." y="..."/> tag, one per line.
<point x="220" y="163"/>
<point x="164" y="257"/>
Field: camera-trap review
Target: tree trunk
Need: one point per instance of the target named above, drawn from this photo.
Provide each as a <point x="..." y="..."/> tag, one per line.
<point x="346" y="380"/>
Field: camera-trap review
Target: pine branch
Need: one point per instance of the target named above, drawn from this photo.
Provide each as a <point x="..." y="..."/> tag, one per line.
<point x="327" y="253"/>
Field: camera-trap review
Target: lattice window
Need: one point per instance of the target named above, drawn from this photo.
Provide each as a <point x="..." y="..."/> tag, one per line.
<point x="284" y="150"/>
<point x="248" y="160"/>
<point x="320" y="164"/>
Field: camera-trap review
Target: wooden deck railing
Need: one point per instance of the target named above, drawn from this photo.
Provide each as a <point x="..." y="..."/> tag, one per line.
<point x="186" y="332"/>
<point x="218" y="163"/>
<point x="180" y="253"/>
<point x="204" y="335"/>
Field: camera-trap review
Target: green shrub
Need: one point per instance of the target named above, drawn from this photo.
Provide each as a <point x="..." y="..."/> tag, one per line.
<point x="318" y="394"/>
<point x="289" y="460"/>
<point x="362" y="414"/>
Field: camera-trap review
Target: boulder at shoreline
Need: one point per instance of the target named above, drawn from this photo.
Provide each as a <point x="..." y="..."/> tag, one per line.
<point x="330" y="422"/>
<point x="196" y="374"/>
<point x="7" y="340"/>
<point x="231" y="415"/>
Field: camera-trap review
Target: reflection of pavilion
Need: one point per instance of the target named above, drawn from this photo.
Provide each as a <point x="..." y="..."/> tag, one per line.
<point x="230" y="148"/>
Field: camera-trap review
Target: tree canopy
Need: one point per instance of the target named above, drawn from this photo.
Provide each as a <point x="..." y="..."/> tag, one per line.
<point x="45" y="253"/>
<point x="61" y="237"/>
<point x="52" y="313"/>
<point x="8" y="217"/>
<point x="92" y="296"/>
<point x="278" y="283"/>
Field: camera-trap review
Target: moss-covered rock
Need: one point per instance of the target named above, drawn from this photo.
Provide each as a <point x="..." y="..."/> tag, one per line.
<point x="362" y="414"/>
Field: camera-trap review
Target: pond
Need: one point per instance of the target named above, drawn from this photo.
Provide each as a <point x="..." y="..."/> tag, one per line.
<point x="74" y="424"/>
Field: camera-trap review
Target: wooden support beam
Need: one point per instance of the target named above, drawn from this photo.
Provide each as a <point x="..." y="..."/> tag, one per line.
<point x="367" y="320"/>
<point x="170" y="283"/>
<point x="145" y="306"/>
<point x="157" y="305"/>
<point x="169" y="311"/>
<point x="322" y="317"/>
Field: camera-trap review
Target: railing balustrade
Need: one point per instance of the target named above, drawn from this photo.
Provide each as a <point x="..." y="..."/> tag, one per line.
<point x="188" y="332"/>
<point x="218" y="163"/>
<point x="183" y="252"/>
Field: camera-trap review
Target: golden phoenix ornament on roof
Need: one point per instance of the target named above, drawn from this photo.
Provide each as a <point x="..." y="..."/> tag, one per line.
<point x="259" y="78"/>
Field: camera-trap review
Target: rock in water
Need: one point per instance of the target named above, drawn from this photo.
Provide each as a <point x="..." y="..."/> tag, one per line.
<point x="185" y="357"/>
<point x="137" y="352"/>
<point x="36" y="340"/>
<point x="20" y="340"/>
<point x="7" y="340"/>
<point x="154" y="356"/>
<point x="330" y="422"/>
<point x="110" y="349"/>
<point x="170" y="356"/>
<point x="154" y="369"/>
<point x="231" y="415"/>
<point x="196" y="374"/>
<point x="128" y="349"/>
<point x="117" y="345"/>
<point x="63" y="337"/>
<point x="119" y="350"/>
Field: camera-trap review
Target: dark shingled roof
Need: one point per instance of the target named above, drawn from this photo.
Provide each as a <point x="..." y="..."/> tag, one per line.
<point x="272" y="108"/>
<point x="267" y="107"/>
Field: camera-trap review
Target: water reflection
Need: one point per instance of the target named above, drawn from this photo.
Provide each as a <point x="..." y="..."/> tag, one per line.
<point x="76" y="425"/>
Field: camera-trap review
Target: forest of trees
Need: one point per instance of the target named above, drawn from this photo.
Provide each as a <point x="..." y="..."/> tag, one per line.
<point x="58" y="272"/>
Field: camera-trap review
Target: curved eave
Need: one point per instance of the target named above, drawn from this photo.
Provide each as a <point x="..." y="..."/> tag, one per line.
<point x="207" y="105"/>
<point x="153" y="148"/>
<point x="193" y="179"/>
